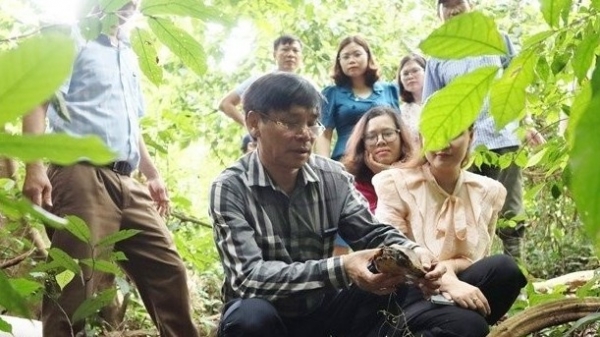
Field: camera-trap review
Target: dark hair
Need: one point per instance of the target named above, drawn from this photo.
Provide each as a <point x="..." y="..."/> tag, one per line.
<point x="354" y="157"/>
<point x="372" y="71"/>
<point x="279" y="91"/>
<point x="405" y="95"/>
<point x="285" y="39"/>
<point x="245" y="141"/>
<point x="450" y="3"/>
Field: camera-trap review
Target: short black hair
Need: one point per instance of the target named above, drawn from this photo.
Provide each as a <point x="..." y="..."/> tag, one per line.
<point x="285" y="39"/>
<point x="279" y="91"/>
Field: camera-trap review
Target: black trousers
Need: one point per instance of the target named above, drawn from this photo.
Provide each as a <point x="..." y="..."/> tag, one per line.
<point x="346" y="313"/>
<point x="499" y="279"/>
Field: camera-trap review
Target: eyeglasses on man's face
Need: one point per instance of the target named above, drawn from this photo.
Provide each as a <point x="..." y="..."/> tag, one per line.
<point x="295" y="127"/>
<point x="388" y="135"/>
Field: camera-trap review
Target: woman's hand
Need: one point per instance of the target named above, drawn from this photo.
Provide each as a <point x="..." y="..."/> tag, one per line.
<point x="373" y="165"/>
<point x="466" y="296"/>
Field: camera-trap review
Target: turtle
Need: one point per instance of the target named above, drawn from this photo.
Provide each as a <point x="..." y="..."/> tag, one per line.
<point x="398" y="260"/>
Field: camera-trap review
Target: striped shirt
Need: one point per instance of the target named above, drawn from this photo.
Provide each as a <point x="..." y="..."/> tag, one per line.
<point x="103" y="96"/>
<point x="440" y="73"/>
<point x="279" y="247"/>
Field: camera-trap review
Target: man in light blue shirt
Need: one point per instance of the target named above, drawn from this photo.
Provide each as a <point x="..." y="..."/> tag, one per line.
<point x="104" y="99"/>
<point x="440" y="73"/>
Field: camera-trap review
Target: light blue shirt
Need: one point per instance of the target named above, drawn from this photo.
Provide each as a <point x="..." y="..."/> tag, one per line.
<point x="104" y="97"/>
<point x="342" y="109"/>
<point x="440" y="73"/>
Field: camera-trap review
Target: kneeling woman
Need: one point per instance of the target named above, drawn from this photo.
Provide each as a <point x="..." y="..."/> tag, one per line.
<point x="453" y="213"/>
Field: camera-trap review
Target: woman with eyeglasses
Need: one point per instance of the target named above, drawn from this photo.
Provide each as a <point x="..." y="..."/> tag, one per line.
<point x="410" y="81"/>
<point x="452" y="212"/>
<point x="357" y="89"/>
<point x="379" y="141"/>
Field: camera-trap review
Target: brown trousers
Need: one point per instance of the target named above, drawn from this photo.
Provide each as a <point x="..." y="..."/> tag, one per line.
<point x="109" y="202"/>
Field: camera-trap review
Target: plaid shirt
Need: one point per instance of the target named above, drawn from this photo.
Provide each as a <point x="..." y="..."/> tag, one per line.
<point x="279" y="247"/>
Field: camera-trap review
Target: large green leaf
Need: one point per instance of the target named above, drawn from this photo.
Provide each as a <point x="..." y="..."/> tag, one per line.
<point x="553" y="9"/>
<point x="180" y="43"/>
<point x="469" y="34"/>
<point x="24" y="286"/>
<point x="596" y="4"/>
<point x="121" y="235"/>
<point x="64" y="260"/>
<point x="21" y="207"/>
<point x="5" y="326"/>
<point x="507" y="99"/>
<point x="578" y="108"/>
<point x="102" y="265"/>
<point x="453" y="109"/>
<point x="91" y="305"/>
<point x="61" y="149"/>
<point x="144" y="47"/>
<point x="192" y="8"/>
<point x="584" y="54"/>
<point x="112" y="5"/>
<point x="584" y="164"/>
<point x="78" y="227"/>
<point x="10" y="299"/>
<point x="32" y="72"/>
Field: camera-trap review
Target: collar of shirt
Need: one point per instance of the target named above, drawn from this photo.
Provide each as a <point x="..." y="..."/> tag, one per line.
<point x="258" y="176"/>
<point x="377" y="90"/>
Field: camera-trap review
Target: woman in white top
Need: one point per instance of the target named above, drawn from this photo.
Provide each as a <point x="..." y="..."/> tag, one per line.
<point x="410" y="82"/>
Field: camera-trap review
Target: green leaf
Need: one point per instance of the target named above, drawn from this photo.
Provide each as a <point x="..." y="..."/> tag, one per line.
<point x="454" y="108"/>
<point x="32" y="72"/>
<point x="110" y="240"/>
<point x="63" y="259"/>
<point x="10" y="299"/>
<point x="580" y="105"/>
<point x="109" y="23"/>
<point x="25" y="287"/>
<point x="63" y="278"/>
<point x="582" y="322"/>
<point x="102" y="265"/>
<point x="537" y="38"/>
<point x="596" y="4"/>
<point x="112" y="5"/>
<point x="584" y="54"/>
<point x="57" y="148"/>
<point x="91" y="305"/>
<point x="469" y="34"/>
<point x="553" y="9"/>
<point x="78" y="228"/>
<point x="180" y="43"/>
<point x="5" y="326"/>
<point x="536" y="158"/>
<point x="192" y="8"/>
<point x="90" y="27"/>
<point x="584" y="162"/>
<point x="10" y="206"/>
<point x="508" y="95"/>
<point x="144" y="47"/>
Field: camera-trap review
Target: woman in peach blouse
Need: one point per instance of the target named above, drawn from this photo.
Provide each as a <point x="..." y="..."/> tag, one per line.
<point x="453" y="213"/>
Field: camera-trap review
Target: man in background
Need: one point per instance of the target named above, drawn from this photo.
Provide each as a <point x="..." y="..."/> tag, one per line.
<point x="287" y="52"/>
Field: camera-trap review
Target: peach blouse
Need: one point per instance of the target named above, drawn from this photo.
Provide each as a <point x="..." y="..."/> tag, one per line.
<point x="457" y="225"/>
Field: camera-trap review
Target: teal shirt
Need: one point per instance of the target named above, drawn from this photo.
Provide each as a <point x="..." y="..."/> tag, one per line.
<point x="342" y="110"/>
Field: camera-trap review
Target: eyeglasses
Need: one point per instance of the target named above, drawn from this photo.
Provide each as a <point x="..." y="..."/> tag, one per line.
<point x="388" y="135"/>
<point x="413" y="71"/>
<point x="347" y="56"/>
<point x="297" y="128"/>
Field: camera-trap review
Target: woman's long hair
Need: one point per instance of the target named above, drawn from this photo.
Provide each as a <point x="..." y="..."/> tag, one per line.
<point x="354" y="157"/>
<point x="372" y="71"/>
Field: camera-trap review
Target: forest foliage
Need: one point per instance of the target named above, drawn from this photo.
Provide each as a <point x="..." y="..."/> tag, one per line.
<point x="181" y="45"/>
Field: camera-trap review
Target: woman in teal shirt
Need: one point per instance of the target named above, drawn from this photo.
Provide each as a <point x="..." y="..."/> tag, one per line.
<point x="356" y="90"/>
